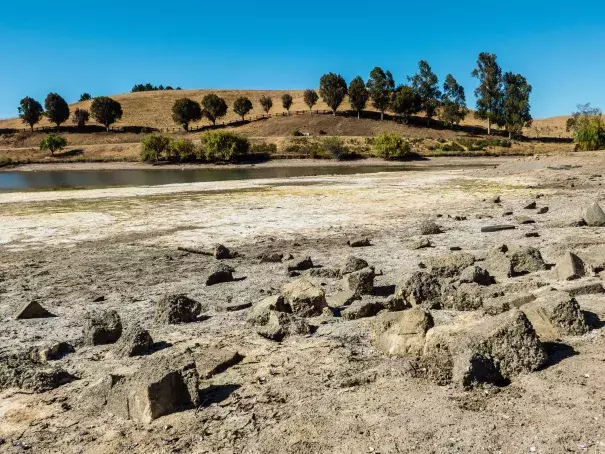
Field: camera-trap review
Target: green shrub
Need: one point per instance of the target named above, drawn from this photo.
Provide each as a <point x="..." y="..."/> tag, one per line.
<point x="454" y="146"/>
<point x="306" y="148"/>
<point x="224" y="146"/>
<point x="182" y="150"/>
<point x="336" y="148"/>
<point x="5" y="161"/>
<point x="590" y="134"/>
<point x="391" y="146"/>
<point x="52" y="143"/>
<point x="154" y="147"/>
<point x="296" y="132"/>
<point x="263" y="148"/>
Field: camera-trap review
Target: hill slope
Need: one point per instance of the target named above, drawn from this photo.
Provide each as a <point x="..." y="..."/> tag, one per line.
<point x="153" y="109"/>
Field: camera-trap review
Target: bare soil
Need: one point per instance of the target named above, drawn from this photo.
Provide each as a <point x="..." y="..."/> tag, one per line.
<point x="327" y="392"/>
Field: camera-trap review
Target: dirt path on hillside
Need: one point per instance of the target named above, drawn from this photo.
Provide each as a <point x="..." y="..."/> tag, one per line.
<point x="330" y="391"/>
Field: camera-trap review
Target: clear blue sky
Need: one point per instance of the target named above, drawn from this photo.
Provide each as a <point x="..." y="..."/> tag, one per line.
<point x="104" y="48"/>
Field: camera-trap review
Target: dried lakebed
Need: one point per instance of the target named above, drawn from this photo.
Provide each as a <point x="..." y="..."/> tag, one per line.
<point x="436" y="337"/>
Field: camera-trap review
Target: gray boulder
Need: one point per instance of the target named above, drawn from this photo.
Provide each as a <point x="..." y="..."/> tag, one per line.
<point x="464" y="297"/>
<point x="401" y="333"/>
<point x="593" y="215"/>
<point x="570" y="267"/>
<point x="359" y="242"/>
<point x="135" y="341"/>
<point x="304" y="298"/>
<point x="102" y="328"/>
<point x="32" y="309"/>
<point x="527" y="260"/>
<point x="450" y="265"/>
<point x="421" y="289"/>
<point x="222" y="252"/>
<point x="353" y="264"/>
<point x="361" y="282"/>
<point x="259" y="313"/>
<point x="477" y="275"/>
<point x="219" y="273"/>
<point x="361" y="309"/>
<point x="281" y="325"/>
<point x="271" y="257"/>
<point x="177" y="308"/>
<point x="429" y="227"/>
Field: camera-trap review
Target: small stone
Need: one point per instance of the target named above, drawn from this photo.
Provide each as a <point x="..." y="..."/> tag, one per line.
<point x="527" y="260"/>
<point x="359" y="242"/>
<point x="54" y="351"/>
<point x="301" y="265"/>
<point x="102" y="328"/>
<point x="353" y="264"/>
<point x="238" y="306"/>
<point x="530" y="206"/>
<point x="543" y="210"/>
<point x="593" y="215"/>
<point x="455" y="248"/>
<point x="214" y="361"/>
<point x="361" y="282"/>
<point x="507" y="213"/>
<point x="222" y="252"/>
<point x="304" y="298"/>
<point x="422" y="243"/>
<point x="327" y="273"/>
<point x="450" y="265"/>
<point x="421" y="289"/>
<point x="570" y="267"/>
<point x="531" y="235"/>
<point x="281" y="325"/>
<point x="219" y="274"/>
<point x="136" y="341"/>
<point x="524" y="220"/>
<point x="271" y="257"/>
<point x="361" y="309"/>
<point x="495" y="199"/>
<point x="429" y="227"/>
<point x="342" y="298"/>
<point x="401" y="333"/>
<point x="31" y="310"/>
<point x="261" y="311"/>
<point x="177" y="308"/>
<point x="477" y="275"/>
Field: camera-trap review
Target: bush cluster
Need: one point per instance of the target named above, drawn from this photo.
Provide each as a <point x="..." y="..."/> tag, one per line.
<point x="215" y="146"/>
<point x="391" y="146"/>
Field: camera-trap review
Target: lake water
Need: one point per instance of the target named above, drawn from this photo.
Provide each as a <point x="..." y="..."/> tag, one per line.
<point x="65" y="179"/>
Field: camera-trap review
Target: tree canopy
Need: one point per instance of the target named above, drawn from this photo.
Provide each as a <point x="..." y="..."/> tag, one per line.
<point x="30" y="111"/>
<point x="185" y="111"/>
<point x="489" y="93"/>
<point x="286" y="101"/>
<point x="405" y="102"/>
<point x="358" y="95"/>
<point x="310" y="97"/>
<point x="332" y="89"/>
<point x="588" y="128"/>
<point x="242" y="106"/>
<point x="56" y="109"/>
<point x="515" y="105"/>
<point x="80" y="117"/>
<point x="453" y="108"/>
<point x="106" y="111"/>
<point x="426" y="84"/>
<point x="381" y="86"/>
<point x="266" y="102"/>
<point x="213" y="107"/>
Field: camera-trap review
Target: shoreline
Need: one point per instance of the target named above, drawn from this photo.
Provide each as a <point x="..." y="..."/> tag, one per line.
<point x="277" y="163"/>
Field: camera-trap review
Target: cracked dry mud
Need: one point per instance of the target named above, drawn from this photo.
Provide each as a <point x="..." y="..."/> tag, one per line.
<point x="331" y="391"/>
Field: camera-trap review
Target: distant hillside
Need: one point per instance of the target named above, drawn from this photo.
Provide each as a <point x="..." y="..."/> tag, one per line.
<point x="153" y="109"/>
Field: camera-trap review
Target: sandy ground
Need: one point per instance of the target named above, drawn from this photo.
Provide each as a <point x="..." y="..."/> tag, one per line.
<point x="327" y="392"/>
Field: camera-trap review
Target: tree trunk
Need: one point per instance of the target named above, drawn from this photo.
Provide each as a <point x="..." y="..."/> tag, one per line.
<point x="510" y="135"/>
<point x="381" y="115"/>
<point x="358" y="114"/>
<point x="489" y="127"/>
<point x="428" y="121"/>
<point x="334" y="112"/>
<point x="107" y="127"/>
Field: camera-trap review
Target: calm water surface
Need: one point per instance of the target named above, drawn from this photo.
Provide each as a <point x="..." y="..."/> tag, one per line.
<point x="64" y="179"/>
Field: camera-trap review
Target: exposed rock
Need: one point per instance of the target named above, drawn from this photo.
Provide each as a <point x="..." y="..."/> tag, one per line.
<point x="271" y="257"/>
<point x="421" y="289"/>
<point x="20" y="370"/>
<point x="359" y="242"/>
<point x="570" y="267"/>
<point x="450" y="265"/>
<point x="465" y="297"/>
<point x="543" y="210"/>
<point x="281" y="325"/>
<point x="498" y="263"/>
<point x="342" y="298"/>
<point x="237" y="306"/>
<point x="261" y="311"/>
<point x="455" y="248"/>
<point x="301" y="265"/>
<point x="493" y="350"/>
<point x="475" y="274"/>
<point x="527" y="260"/>
<point x="579" y="288"/>
<point x="222" y="252"/>
<point x="361" y="282"/>
<point x="214" y="361"/>
<point x="422" y="243"/>
<point x="523" y="220"/>
<point x="429" y="227"/>
<point x="495" y="199"/>
<point x="220" y="273"/>
<point x="593" y="215"/>
<point x="497" y="228"/>
<point x="361" y="309"/>
<point x="161" y="386"/>
<point x="401" y="333"/>
<point x="328" y="273"/>
<point x="304" y="298"/>
<point x="353" y="264"/>
<point x="556" y="314"/>
<point x="394" y="303"/>
<point x="136" y="341"/>
<point x="495" y="306"/>
<point x="52" y="351"/>
<point x="32" y="309"/>
<point x="531" y="235"/>
<point x="530" y="206"/>
<point x="102" y="328"/>
<point x="507" y="213"/>
<point x="177" y="308"/>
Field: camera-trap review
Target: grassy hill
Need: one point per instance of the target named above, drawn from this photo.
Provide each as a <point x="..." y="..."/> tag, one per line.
<point x="153" y="109"/>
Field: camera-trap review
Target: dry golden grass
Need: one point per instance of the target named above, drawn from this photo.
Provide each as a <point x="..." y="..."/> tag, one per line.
<point x="153" y="109"/>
